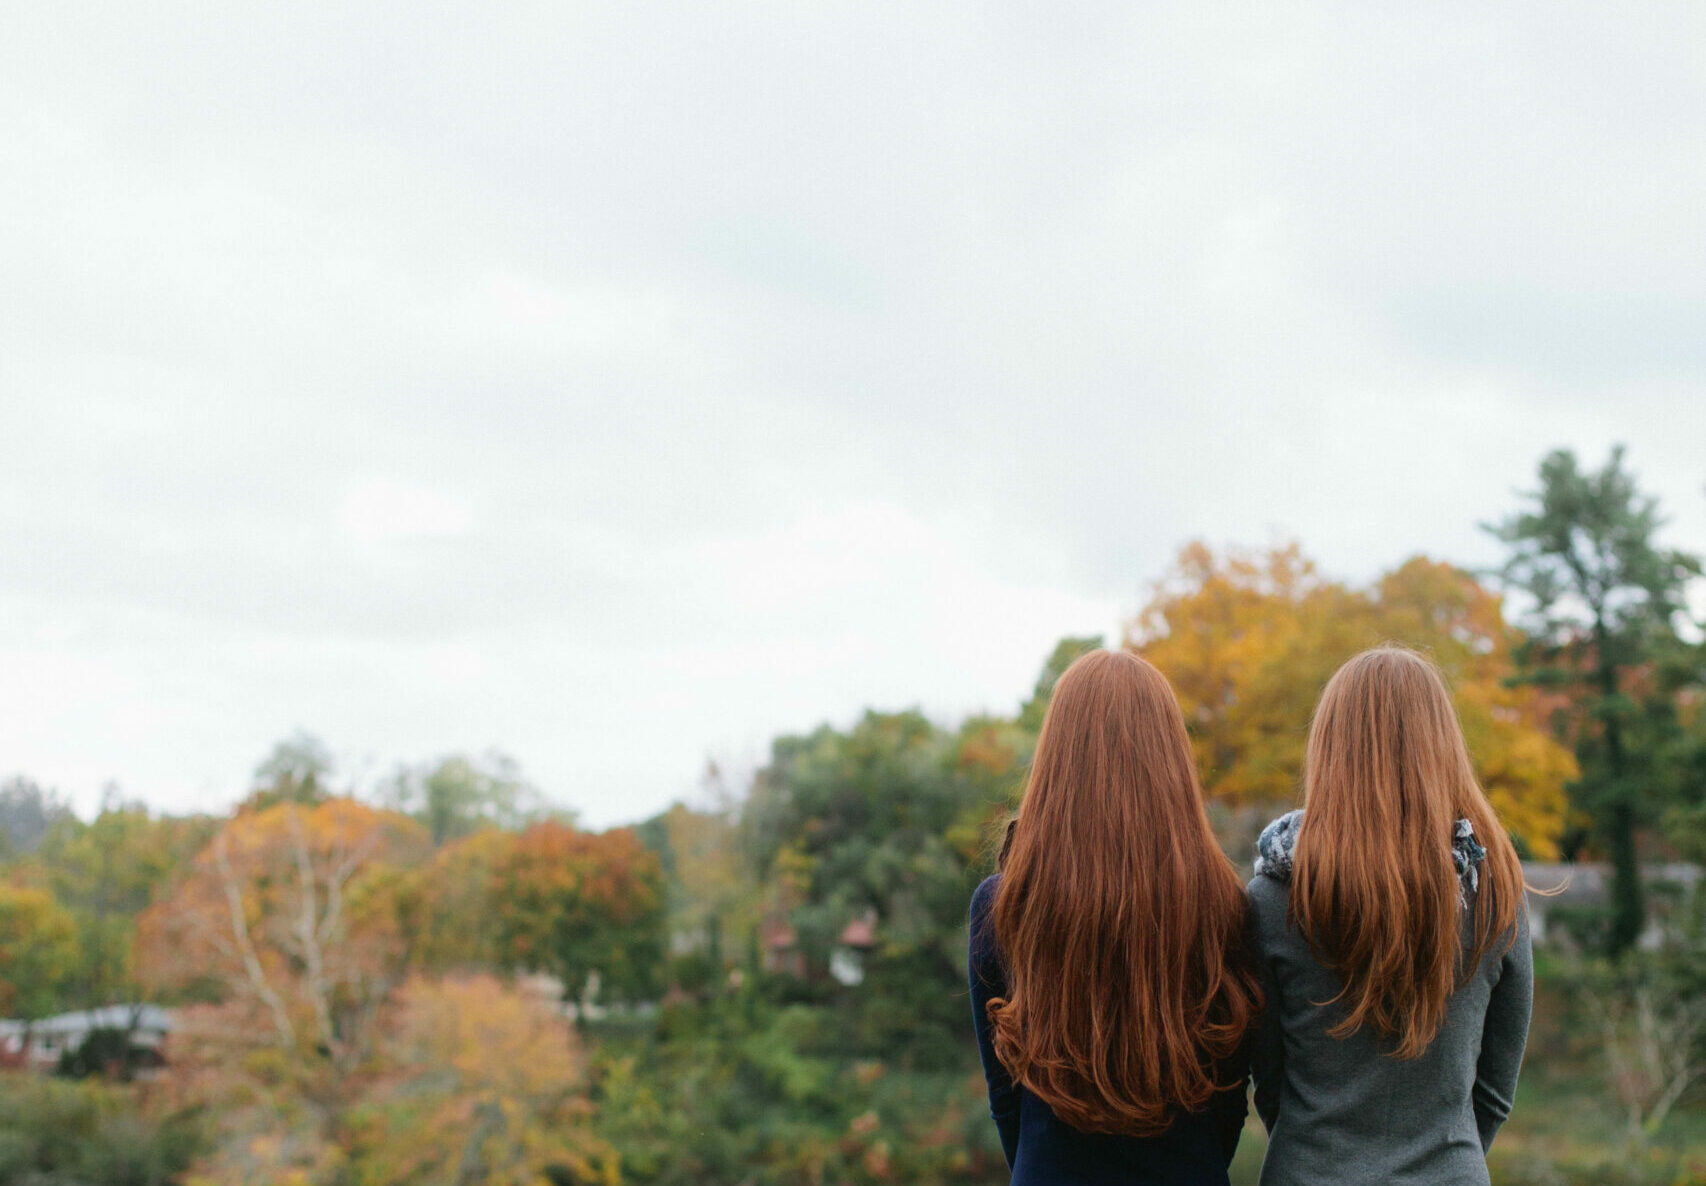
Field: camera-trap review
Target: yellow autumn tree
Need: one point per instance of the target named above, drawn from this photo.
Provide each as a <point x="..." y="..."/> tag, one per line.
<point x="1249" y="639"/>
<point x="480" y="1085"/>
<point x="38" y="951"/>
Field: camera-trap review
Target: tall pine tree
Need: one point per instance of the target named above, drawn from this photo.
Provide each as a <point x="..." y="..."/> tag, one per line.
<point x="1605" y="603"/>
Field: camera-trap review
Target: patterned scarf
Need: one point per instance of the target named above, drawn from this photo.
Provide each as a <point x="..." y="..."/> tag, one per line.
<point x="1278" y="840"/>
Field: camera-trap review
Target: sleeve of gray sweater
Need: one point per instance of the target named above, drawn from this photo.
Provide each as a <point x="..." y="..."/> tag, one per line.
<point x="1267" y="1053"/>
<point x="1504" y="1035"/>
<point x="1267" y="1061"/>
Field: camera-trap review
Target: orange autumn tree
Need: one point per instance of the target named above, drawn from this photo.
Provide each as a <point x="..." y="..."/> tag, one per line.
<point x="589" y="908"/>
<point x="1248" y="639"/>
<point x="287" y="914"/>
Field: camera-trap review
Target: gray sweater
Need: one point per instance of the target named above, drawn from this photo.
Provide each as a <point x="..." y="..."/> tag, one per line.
<point x="1343" y="1112"/>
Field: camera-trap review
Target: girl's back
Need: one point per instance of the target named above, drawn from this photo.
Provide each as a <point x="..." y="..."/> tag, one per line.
<point x="1113" y="986"/>
<point x="1345" y="1105"/>
<point x="1194" y="1151"/>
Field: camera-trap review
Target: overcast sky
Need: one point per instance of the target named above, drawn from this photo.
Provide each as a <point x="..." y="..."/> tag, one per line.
<point x="622" y="384"/>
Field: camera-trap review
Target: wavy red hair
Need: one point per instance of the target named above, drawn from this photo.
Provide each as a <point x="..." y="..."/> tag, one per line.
<point x="1374" y="888"/>
<point x="1121" y="924"/>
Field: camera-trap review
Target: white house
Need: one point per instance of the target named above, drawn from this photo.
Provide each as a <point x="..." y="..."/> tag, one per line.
<point x="39" y="1044"/>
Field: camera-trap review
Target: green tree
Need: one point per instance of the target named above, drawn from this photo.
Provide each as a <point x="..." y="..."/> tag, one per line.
<point x="38" y="952"/>
<point x="1606" y="601"/>
<point x="885" y="821"/>
<point x="1066" y="651"/>
<point x="298" y="770"/>
<point x="105" y="873"/>
<point x="581" y="904"/>
<point x="458" y="795"/>
<point x="26" y="814"/>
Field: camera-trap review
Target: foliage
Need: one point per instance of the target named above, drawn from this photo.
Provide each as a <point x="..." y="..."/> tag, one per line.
<point x="105" y="873"/>
<point x="579" y="905"/>
<point x="1652" y="1035"/>
<point x="712" y="889"/>
<point x="38" y="952"/>
<point x="26" y="814"/>
<point x="287" y="911"/>
<point x="459" y="795"/>
<point x="747" y="1088"/>
<point x="886" y="821"/>
<point x="298" y="770"/>
<point x="55" y="1132"/>
<point x="1605" y="603"/>
<point x="480" y="1086"/>
<point x="1249" y="640"/>
<point x="446" y="911"/>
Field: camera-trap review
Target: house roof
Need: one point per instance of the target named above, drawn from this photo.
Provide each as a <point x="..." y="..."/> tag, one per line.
<point x="118" y="1017"/>
<point x="860" y="932"/>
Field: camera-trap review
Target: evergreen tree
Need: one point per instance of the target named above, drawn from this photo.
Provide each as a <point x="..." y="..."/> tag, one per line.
<point x="1606" y="602"/>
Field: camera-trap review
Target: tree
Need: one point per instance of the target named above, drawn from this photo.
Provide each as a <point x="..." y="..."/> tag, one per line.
<point x="477" y="1085"/>
<point x="1065" y="653"/>
<point x="885" y="821"/>
<point x="288" y="911"/>
<point x="1650" y="1029"/>
<point x="1248" y="641"/>
<point x="26" y="814"/>
<point x="105" y="873"/>
<point x="1605" y="603"/>
<point x="447" y="911"/>
<point x="298" y="770"/>
<point x="38" y="952"/>
<point x="458" y="795"/>
<point x="710" y="886"/>
<point x="581" y="905"/>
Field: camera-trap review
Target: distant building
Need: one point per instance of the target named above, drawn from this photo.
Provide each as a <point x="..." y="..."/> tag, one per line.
<point x="782" y="951"/>
<point x="40" y="1044"/>
<point x="847" y="957"/>
<point x="781" y="946"/>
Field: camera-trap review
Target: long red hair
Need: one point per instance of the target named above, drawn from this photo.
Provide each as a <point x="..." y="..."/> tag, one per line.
<point x="1374" y="887"/>
<point x="1121" y="924"/>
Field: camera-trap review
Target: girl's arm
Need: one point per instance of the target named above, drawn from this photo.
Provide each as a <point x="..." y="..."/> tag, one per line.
<point x="987" y="982"/>
<point x="1267" y="1056"/>
<point x="1232" y="1106"/>
<point x="1504" y="1034"/>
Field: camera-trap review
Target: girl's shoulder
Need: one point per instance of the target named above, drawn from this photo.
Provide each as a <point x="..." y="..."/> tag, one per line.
<point x="983" y="897"/>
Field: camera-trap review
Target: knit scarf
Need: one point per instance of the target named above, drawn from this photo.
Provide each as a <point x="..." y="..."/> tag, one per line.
<point x="1274" y="849"/>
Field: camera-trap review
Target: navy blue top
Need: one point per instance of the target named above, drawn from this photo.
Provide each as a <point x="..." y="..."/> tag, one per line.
<point x="1043" y="1150"/>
